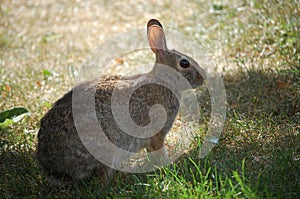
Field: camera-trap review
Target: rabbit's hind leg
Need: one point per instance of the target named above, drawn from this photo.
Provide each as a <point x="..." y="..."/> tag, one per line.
<point x="104" y="173"/>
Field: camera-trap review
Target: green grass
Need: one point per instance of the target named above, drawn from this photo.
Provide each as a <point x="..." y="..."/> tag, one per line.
<point x="257" y="42"/>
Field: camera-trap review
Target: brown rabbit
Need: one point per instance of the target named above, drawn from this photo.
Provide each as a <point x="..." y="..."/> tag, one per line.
<point x="61" y="151"/>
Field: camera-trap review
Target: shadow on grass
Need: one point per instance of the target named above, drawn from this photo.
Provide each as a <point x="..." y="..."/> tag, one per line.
<point x="19" y="174"/>
<point x="262" y="128"/>
<point x="22" y="177"/>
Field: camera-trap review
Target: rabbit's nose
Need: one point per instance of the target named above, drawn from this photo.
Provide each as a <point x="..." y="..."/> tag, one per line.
<point x="203" y="74"/>
<point x="200" y="80"/>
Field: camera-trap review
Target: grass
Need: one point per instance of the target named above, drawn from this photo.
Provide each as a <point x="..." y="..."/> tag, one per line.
<point x="256" y="44"/>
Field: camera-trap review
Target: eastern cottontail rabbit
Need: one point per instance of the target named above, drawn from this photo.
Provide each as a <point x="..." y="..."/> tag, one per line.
<point x="60" y="148"/>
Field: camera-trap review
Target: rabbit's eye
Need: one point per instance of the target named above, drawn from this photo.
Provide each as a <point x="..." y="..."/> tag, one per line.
<point x="184" y="63"/>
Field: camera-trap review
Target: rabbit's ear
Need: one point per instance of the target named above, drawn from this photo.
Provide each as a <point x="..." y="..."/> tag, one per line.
<point x="153" y="22"/>
<point x="156" y="36"/>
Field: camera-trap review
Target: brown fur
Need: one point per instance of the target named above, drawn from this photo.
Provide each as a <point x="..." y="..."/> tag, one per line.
<point x="60" y="150"/>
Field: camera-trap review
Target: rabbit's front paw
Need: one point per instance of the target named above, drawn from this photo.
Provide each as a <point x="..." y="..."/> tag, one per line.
<point x="160" y="157"/>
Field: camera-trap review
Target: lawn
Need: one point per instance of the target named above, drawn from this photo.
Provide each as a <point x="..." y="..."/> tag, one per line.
<point x="256" y="45"/>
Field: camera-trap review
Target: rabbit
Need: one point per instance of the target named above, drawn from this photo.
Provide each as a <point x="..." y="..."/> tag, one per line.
<point x="60" y="150"/>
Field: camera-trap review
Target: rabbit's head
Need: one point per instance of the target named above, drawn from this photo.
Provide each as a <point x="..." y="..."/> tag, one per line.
<point x="172" y="58"/>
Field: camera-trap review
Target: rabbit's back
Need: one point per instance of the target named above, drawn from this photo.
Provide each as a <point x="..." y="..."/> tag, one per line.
<point x="59" y="149"/>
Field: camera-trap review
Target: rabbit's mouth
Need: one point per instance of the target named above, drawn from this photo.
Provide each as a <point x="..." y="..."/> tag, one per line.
<point x="198" y="82"/>
<point x="199" y="79"/>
